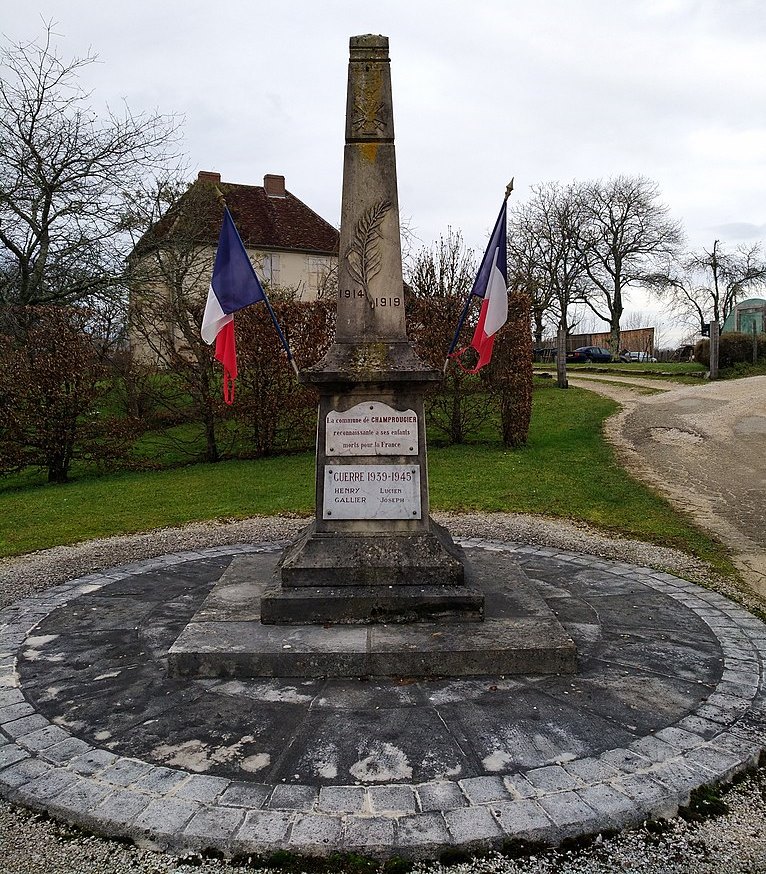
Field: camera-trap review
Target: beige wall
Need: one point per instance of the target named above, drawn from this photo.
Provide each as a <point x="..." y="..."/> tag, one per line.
<point x="297" y="271"/>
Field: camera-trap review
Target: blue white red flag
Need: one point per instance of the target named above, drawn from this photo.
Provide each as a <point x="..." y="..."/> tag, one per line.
<point x="491" y="285"/>
<point x="234" y="286"/>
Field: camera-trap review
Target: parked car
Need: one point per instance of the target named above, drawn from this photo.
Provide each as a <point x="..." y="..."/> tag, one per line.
<point x="590" y="353"/>
<point x="627" y="357"/>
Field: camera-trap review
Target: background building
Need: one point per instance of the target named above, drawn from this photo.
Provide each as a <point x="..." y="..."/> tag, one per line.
<point x="294" y="252"/>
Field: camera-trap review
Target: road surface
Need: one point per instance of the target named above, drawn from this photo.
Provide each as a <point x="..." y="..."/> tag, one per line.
<point x="704" y="447"/>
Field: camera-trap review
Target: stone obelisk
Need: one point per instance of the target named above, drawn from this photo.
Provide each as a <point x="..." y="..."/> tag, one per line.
<point x="373" y="553"/>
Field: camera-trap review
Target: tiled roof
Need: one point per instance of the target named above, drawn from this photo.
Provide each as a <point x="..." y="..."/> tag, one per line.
<point x="277" y="222"/>
<point x="264" y="221"/>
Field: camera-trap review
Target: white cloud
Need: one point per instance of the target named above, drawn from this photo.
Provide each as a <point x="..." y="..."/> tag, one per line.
<point x="673" y="89"/>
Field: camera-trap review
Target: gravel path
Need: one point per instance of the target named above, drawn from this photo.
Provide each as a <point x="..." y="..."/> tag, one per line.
<point x="735" y="842"/>
<point x="702" y="447"/>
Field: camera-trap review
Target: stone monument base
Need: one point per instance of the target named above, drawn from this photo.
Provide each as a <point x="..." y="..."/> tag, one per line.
<point x="360" y="578"/>
<point x="519" y="635"/>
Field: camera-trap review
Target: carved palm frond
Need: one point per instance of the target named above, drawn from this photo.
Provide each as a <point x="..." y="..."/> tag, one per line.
<point x="363" y="254"/>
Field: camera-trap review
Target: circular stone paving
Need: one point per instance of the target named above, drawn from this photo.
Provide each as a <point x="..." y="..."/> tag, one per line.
<point x="669" y="696"/>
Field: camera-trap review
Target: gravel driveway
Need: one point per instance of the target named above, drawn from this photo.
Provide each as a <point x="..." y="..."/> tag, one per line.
<point x="704" y="447"/>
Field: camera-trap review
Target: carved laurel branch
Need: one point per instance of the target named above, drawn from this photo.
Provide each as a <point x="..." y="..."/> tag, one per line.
<point x="363" y="254"/>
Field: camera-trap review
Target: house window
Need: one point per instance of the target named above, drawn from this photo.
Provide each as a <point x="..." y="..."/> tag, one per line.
<point x="318" y="268"/>
<point x="267" y="268"/>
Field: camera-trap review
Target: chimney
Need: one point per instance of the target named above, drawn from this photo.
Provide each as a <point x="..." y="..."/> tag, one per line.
<point x="208" y="176"/>
<point x="274" y="185"/>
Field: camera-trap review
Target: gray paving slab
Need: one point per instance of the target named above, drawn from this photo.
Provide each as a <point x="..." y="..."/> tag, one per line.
<point x="441" y="795"/>
<point x="342" y="799"/>
<point x="669" y="696"/>
<point x="291" y="797"/>
<point x="80" y="799"/>
<point x="120" y="808"/>
<point x="162" y="822"/>
<point x="248" y="795"/>
<point x="392" y="799"/>
<point x="371" y="834"/>
<point x="473" y="826"/>
<point x="524" y="819"/>
<point x="425" y="834"/>
<point x="263" y="830"/>
<point x="213" y="826"/>
<point x="201" y="787"/>
<point x="479" y="790"/>
<point x="318" y="834"/>
<point x="47" y="787"/>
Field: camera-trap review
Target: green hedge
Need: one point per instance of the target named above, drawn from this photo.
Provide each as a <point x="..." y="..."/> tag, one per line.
<point x="734" y="347"/>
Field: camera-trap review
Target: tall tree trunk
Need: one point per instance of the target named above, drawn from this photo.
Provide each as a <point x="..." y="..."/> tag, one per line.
<point x="211" y="445"/>
<point x="561" y="358"/>
<point x="58" y="467"/>
<point x="614" y="337"/>
<point x="456" y="418"/>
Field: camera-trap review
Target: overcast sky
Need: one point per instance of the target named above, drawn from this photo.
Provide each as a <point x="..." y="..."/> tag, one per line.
<point x="483" y="90"/>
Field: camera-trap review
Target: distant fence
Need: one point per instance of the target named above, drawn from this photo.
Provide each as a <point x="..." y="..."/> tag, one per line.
<point x="634" y="340"/>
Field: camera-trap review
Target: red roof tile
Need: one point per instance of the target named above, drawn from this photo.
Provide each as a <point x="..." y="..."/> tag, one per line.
<point x="278" y="222"/>
<point x="263" y="221"/>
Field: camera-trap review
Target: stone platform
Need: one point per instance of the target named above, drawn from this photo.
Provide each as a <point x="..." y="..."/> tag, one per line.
<point x="669" y="697"/>
<point x="519" y="635"/>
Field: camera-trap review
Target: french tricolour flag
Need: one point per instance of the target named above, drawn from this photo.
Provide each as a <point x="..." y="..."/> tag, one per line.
<point x="491" y="285"/>
<point x="234" y="286"/>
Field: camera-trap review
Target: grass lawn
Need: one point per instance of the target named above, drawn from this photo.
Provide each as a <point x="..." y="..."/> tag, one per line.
<point x="567" y="470"/>
<point x="684" y="371"/>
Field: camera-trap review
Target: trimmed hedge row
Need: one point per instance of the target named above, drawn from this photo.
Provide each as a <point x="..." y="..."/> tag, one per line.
<point x="733" y="348"/>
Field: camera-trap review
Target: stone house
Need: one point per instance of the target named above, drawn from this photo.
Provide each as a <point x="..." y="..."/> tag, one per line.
<point x="292" y="249"/>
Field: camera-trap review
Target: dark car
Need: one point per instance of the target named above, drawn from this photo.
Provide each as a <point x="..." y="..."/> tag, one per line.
<point x="590" y="353"/>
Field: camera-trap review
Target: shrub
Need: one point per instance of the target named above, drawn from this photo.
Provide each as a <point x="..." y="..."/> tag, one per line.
<point x="462" y="404"/>
<point x="275" y="412"/>
<point x="511" y="371"/>
<point x="733" y="347"/>
<point x="51" y="380"/>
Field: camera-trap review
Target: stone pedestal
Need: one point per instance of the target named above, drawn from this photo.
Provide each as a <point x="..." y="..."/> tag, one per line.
<point x="520" y="633"/>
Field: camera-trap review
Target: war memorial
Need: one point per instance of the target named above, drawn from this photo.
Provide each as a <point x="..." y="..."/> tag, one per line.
<point x="374" y="686"/>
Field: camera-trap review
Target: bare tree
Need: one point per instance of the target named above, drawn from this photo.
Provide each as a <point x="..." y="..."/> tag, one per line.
<point x="169" y="271"/>
<point x="524" y="274"/>
<point x="546" y="252"/>
<point x="63" y="170"/>
<point x="711" y="282"/>
<point x="627" y="233"/>
<point x="440" y="279"/>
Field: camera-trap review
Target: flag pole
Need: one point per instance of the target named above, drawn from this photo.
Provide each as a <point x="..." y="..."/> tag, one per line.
<point x="464" y="314"/>
<point x="279" y="331"/>
<point x="273" y="315"/>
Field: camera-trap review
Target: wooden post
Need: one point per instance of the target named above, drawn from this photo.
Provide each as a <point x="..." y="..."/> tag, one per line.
<point x="714" y="335"/>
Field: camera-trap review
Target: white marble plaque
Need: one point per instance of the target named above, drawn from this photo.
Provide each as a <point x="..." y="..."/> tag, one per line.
<point x="371" y="491"/>
<point x="371" y="428"/>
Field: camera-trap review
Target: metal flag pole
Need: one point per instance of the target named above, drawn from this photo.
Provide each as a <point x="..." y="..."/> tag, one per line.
<point x="464" y="314"/>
